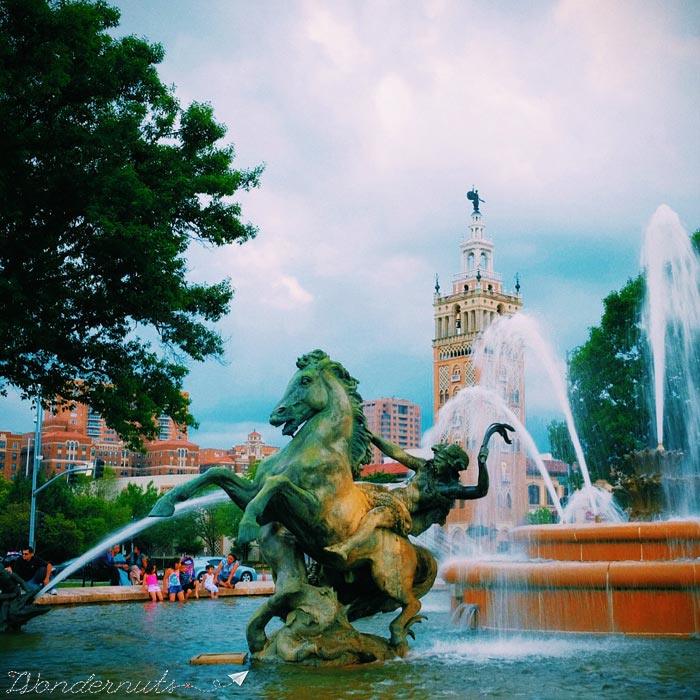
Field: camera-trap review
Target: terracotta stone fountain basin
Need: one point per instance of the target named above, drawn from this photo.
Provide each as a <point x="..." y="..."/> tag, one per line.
<point x="631" y="578"/>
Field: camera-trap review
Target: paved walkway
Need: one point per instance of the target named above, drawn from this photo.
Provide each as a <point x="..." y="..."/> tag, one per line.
<point x="111" y="594"/>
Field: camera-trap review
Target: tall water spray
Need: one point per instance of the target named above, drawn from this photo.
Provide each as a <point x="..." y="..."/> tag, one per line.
<point x="499" y="355"/>
<point x="671" y="320"/>
<point x="465" y="417"/>
<point x="502" y="342"/>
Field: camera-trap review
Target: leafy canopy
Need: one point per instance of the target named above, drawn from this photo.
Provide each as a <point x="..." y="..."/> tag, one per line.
<point x="104" y="182"/>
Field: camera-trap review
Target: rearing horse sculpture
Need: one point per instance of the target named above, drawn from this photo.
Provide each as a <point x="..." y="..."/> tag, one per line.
<point x="309" y="487"/>
<point x="307" y="502"/>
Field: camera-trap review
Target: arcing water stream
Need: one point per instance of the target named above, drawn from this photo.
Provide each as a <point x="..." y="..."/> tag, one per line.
<point x="129" y="531"/>
<point x="457" y="418"/>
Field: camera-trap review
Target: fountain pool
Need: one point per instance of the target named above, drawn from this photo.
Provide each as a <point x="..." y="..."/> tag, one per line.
<point x="146" y="642"/>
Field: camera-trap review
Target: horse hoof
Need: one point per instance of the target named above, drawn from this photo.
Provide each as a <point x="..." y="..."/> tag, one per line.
<point x="162" y="509"/>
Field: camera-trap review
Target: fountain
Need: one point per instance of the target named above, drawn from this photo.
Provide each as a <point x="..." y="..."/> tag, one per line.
<point x="671" y="318"/>
<point x="634" y="578"/>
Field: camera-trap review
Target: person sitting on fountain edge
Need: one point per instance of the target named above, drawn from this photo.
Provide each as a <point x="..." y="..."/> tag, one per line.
<point x="226" y="571"/>
<point x="138" y="563"/>
<point x="187" y="580"/>
<point x="32" y="569"/>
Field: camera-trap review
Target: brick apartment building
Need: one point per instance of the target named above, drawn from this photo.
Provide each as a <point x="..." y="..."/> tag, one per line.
<point x="11" y="455"/>
<point x="397" y="420"/>
<point x="77" y="436"/>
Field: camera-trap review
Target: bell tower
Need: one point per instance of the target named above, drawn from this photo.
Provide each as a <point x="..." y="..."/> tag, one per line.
<point x="475" y="298"/>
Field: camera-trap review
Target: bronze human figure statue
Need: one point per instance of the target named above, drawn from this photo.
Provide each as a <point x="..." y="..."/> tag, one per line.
<point x="304" y="503"/>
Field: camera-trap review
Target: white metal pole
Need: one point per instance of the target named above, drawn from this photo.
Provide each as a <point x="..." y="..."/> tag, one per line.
<point x="37" y="466"/>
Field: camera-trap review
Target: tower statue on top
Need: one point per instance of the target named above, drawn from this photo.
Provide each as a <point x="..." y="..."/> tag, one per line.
<point x="473" y="196"/>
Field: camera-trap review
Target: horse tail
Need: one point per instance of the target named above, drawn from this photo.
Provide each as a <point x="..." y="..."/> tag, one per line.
<point x="426" y="571"/>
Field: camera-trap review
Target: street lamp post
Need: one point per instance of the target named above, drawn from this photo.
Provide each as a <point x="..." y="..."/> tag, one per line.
<point x="87" y="466"/>
<point x="37" y="465"/>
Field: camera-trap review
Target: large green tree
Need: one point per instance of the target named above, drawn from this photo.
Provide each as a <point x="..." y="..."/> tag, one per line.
<point x="105" y="180"/>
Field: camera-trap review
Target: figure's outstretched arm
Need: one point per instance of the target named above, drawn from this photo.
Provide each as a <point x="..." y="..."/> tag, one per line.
<point x="397" y="453"/>
<point x="468" y="493"/>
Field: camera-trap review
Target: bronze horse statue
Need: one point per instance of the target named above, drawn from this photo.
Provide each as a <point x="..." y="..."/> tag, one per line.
<point x="307" y="502"/>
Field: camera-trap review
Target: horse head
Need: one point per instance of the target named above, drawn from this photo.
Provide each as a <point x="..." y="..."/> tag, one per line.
<point x="318" y="384"/>
<point x="307" y="393"/>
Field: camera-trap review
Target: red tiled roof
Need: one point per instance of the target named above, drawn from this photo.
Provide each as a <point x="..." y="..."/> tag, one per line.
<point x="166" y="444"/>
<point x="553" y="466"/>
<point x="387" y="467"/>
<point x="63" y="435"/>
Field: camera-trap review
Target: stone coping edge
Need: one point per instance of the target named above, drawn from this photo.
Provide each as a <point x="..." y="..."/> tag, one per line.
<point x="116" y="594"/>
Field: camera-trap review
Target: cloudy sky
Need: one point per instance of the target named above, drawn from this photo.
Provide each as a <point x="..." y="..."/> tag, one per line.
<point x="575" y="120"/>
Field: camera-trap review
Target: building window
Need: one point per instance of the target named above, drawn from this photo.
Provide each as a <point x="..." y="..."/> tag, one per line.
<point x="533" y="494"/>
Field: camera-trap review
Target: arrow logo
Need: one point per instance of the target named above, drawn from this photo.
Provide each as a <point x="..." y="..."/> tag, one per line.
<point x="238" y="678"/>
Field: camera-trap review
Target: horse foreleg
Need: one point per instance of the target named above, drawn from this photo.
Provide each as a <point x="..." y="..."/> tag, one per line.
<point x="274" y="485"/>
<point x="240" y="491"/>
<point x="281" y="551"/>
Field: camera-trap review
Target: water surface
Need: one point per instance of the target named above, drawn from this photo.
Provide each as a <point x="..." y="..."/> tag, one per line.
<point x="144" y="643"/>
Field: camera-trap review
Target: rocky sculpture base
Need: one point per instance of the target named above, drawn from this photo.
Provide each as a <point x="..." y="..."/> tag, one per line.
<point x="318" y="633"/>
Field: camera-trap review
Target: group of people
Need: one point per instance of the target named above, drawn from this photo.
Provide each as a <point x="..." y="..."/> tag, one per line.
<point x="126" y="570"/>
<point x="179" y="581"/>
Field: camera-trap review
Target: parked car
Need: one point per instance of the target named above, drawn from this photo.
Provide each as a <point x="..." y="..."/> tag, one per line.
<point x="243" y="573"/>
<point x="58" y="568"/>
<point x="9" y="558"/>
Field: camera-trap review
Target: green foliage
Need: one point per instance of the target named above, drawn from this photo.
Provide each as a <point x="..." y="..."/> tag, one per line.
<point x="14" y="526"/>
<point x="381" y="477"/>
<point x="542" y="516"/>
<point x="560" y="442"/>
<point x="608" y="378"/>
<point x="173" y="536"/>
<point x="213" y="523"/>
<point x="609" y="384"/>
<point x="78" y="518"/>
<point x="252" y="470"/>
<point x="104" y="182"/>
<point x="137" y="501"/>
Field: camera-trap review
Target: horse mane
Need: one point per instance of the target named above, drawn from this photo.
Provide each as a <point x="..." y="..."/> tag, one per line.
<point x="360" y="445"/>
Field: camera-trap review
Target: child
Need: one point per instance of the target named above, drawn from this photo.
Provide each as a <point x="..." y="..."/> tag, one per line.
<point x="150" y="584"/>
<point x="209" y="584"/>
<point x="187" y="580"/>
<point x="172" y="581"/>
